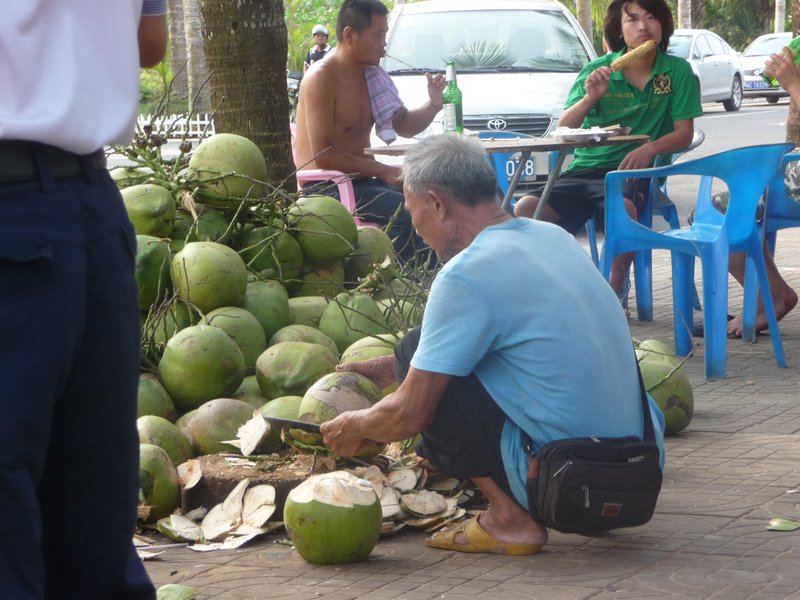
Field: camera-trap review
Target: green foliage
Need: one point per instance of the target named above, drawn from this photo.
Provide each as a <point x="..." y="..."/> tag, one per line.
<point x="301" y="16"/>
<point x="153" y="85"/>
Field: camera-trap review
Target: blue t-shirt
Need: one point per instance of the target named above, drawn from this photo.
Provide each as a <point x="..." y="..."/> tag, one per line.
<point x="526" y="310"/>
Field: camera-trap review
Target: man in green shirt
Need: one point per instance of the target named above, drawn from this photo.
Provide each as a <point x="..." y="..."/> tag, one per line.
<point x="655" y="95"/>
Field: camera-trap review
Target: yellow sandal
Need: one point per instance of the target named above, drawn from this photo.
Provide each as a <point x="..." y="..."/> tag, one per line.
<point x="478" y="540"/>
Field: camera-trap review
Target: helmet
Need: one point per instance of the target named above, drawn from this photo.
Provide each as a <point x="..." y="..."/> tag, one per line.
<point x="319" y="29"/>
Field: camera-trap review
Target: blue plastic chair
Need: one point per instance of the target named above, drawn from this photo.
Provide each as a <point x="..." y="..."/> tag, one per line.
<point x="658" y="204"/>
<point x="781" y="212"/>
<point x="712" y="237"/>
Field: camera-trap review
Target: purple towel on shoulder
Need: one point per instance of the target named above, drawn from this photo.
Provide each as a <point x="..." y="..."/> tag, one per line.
<point x="385" y="101"/>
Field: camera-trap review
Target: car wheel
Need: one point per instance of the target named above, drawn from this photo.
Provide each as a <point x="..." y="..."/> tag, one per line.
<point x="772" y="99"/>
<point x="734" y="103"/>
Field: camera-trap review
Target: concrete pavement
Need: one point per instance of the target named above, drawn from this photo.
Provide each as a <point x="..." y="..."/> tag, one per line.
<point x="727" y="474"/>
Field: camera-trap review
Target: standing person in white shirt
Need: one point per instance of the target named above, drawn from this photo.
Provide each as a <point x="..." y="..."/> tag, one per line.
<point x="69" y="74"/>
<point x="320" y="47"/>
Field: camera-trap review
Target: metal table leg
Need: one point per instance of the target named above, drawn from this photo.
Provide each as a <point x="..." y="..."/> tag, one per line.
<point x="550" y="181"/>
<point x="512" y="185"/>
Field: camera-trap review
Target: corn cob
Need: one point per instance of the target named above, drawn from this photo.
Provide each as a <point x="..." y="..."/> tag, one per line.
<point x="632" y="55"/>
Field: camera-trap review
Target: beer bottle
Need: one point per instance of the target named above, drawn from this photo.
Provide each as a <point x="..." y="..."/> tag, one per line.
<point x="451" y="102"/>
<point x="795" y="47"/>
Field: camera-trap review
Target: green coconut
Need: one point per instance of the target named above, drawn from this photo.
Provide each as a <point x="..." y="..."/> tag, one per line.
<point x="125" y="177"/>
<point x="250" y="392"/>
<point x="244" y="329"/>
<point x="184" y="424"/>
<point x="303" y="333"/>
<point x="227" y="168"/>
<point x="154" y="399"/>
<point x="289" y="368"/>
<point x="351" y="317"/>
<point x="211" y="226"/>
<point x="656" y="350"/>
<point x="168" y="321"/>
<point x="160" y="432"/>
<point x="285" y="259"/>
<point x="324" y="228"/>
<point x="286" y="407"/>
<point x="335" y="393"/>
<point x="399" y="288"/>
<point x="374" y="252"/>
<point x="321" y="280"/>
<point x="158" y="482"/>
<point x="200" y="363"/>
<point x="401" y="314"/>
<point x="333" y="518"/>
<point x="150" y="208"/>
<point x="269" y="303"/>
<point x="372" y="347"/>
<point x="152" y="270"/>
<point x="307" y="310"/>
<point x="218" y="421"/>
<point x="670" y="388"/>
<point x="209" y="275"/>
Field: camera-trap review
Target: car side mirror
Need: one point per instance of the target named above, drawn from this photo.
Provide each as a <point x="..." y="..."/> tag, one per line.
<point x="705" y="54"/>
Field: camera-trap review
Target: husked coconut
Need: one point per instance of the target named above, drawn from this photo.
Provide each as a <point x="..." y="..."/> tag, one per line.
<point x="333" y="518"/>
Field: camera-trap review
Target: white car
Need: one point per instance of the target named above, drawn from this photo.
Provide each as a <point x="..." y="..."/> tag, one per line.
<point x="753" y="59"/>
<point x="516" y="61"/>
<point x="717" y="67"/>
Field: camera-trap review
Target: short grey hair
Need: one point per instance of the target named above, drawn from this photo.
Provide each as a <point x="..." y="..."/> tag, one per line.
<point x="452" y="163"/>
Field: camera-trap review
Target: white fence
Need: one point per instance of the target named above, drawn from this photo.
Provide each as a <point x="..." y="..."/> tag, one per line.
<point x="195" y="126"/>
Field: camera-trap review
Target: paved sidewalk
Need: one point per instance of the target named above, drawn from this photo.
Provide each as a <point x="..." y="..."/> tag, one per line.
<point x="726" y="476"/>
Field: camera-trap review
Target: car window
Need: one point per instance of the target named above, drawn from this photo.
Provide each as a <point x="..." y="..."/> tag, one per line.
<point x="700" y="47"/>
<point x="716" y="44"/>
<point x="766" y="46"/>
<point x="485" y="40"/>
<point x="680" y="46"/>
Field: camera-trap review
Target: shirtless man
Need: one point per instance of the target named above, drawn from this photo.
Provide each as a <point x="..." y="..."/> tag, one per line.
<point x="334" y="120"/>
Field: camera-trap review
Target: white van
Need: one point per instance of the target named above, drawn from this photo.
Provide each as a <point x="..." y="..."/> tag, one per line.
<point x="515" y="62"/>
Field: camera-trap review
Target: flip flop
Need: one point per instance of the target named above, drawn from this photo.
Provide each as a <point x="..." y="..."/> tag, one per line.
<point x="478" y="540"/>
<point x="698" y="331"/>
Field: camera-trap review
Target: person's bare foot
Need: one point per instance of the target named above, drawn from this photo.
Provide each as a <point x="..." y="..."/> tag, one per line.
<point x="522" y="531"/>
<point x="783" y="306"/>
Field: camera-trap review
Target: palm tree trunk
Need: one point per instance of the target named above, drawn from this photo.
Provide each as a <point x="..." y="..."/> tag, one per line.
<point x="698" y="13"/>
<point x="197" y="69"/>
<point x="583" y="11"/>
<point x="685" y="14"/>
<point x="780" y="16"/>
<point x="245" y="46"/>
<point x="177" y="49"/>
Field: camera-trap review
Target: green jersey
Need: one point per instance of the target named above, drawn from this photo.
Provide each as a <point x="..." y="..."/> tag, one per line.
<point x="670" y="95"/>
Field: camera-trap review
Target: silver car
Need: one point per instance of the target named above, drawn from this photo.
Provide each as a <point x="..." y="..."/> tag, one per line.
<point x="515" y="61"/>
<point x="753" y="59"/>
<point x="717" y="67"/>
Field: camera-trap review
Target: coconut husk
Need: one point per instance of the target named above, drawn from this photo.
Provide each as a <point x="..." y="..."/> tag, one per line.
<point x="390" y="503"/>
<point x="258" y="505"/>
<point x="252" y="434"/>
<point x="402" y="479"/>
<point x="225" y="517"/>
<point x="423" y="503"/>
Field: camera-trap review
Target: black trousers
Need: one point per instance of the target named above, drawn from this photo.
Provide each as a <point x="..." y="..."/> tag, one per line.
<point x="464" y="438"/>
<point x="69" y="369"/>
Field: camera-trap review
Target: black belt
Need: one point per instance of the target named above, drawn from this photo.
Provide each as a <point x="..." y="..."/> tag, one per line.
<point x="19" y="160"/>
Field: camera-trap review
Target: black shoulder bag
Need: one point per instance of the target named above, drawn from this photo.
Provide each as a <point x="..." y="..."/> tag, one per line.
<point x="591" y="485"/>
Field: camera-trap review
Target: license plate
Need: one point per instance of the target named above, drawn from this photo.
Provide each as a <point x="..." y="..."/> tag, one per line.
<point x="528" y="171"/>
<point x="756" y="85"/>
